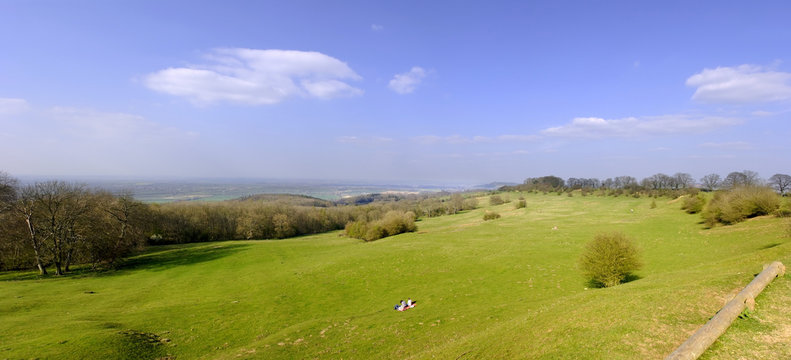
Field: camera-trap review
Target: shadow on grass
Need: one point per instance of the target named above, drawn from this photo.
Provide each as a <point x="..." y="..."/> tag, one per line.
<point x="769" y="246"/>
<point x="598" y="285"/>
<point x="168" y="258"/>
<point x="154" y="259"/>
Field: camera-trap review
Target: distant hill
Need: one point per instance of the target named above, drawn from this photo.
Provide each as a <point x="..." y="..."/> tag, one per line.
<point x="494" y="185"/>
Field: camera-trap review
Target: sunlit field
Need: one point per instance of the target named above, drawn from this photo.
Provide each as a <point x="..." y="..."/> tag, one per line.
<point x="505" y="288"/>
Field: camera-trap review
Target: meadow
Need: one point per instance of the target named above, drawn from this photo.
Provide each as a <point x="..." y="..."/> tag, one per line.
<point x="505" y="288"/>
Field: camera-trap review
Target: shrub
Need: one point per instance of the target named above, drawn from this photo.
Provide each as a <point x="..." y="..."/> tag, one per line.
<point x="393" y="223"/>
<point x="609" y="259"/>
<point x="490" y="215"/>
<point x="521" y="204"/>
<point x="653" y="204"/>
<point x="693" y="204"/>
<point x="732" y="206"/>
<point x="496" y="200"/>
<point x="784" y="210"/>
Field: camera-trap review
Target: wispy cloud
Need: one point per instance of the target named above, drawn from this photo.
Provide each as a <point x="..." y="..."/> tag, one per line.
<point x="741" y="84"/>
<point x="72" y="140"/>
<point x="81" y="123"/>
<point x="732" y="145"/>
<point x="257" y="77"/>
<point x="377" y="27"/>
<point x="458" y="139"/>
<point x="13" y="106"/>
<point x="407" y="82"/>
<point x="592" y="127"/>
<point x="363" y="139"/>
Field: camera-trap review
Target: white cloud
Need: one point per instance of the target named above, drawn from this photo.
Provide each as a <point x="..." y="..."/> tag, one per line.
<point x="458" y="139"/>
<point x="13" y="106"/>
<point x="519" y="138"/>
<point x="762" y="113"/>
<point x="377" y="27"/>
<point x="741" y="84"/>
<point x="592" y="127"/>
<point x="363" y="140"/>
<point x="407" y="82"/>
<point x="257" y="77"/>
<point x="732" y="145"/>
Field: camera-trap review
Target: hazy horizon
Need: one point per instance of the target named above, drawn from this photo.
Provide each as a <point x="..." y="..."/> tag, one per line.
<point x="406" y="92"/>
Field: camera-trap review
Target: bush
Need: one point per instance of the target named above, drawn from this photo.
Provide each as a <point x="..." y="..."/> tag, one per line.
<point x="393" y="223"/>
<point x="653" y="204"/>
<point x="521" y="204"/>
<point x="495" y="200"/>
<point x="490" y="215"/>
<point x="784" y="210"/>
<point x="609" y="259"/>
<point x="693" y="204"/>
<point x="732" y="206"/>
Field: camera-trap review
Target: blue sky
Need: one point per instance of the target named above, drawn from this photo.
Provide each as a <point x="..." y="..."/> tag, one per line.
<point x="452" y="91"/>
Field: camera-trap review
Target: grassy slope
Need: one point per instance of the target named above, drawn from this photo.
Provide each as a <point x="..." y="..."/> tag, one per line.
<point x="498" y="289"/>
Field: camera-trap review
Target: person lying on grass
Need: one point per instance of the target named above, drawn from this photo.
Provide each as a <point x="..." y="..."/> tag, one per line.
<point x="403" y="305"/>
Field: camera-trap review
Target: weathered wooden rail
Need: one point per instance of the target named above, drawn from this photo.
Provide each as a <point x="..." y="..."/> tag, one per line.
<point x="708" y="334"/>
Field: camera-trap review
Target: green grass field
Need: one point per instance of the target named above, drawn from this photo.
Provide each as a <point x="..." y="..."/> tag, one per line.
<point x="506" y="288"/>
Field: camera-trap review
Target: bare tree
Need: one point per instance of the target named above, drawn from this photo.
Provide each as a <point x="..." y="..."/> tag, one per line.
<point x="52" y="211"/>
<point x="682" y="181"/>
<point x="710" y="182"/>
<point x="781" y="183"/>
<point x="456" y="203"/>
<point x="752" y="178"/>
<point x="25" y="207"/>
<point x="735" y="179"/>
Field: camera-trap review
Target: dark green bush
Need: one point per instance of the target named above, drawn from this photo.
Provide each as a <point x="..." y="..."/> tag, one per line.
<point x="737" y="204"/>
<point x="490" y="215"/>
<point x="609" y="259"/>
<point x="521" y="204"/>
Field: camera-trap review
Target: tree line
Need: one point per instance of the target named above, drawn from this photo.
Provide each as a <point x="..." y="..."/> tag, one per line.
<point x="657" y="183"/>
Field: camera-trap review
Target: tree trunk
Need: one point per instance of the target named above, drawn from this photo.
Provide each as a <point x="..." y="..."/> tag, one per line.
<point x="34" y="241"/>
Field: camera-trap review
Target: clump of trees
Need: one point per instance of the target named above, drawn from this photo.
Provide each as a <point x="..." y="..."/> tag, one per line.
<point x="393" y="223"/>
<point x="740" y="203"/>
<point x="56" y="224"/>
<point x="609" y="259"/>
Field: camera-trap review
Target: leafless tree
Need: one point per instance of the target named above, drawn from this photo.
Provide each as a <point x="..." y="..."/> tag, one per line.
<point x="53" y="211"/>
<point x="682" y="181"/>
<point x="781" y="183"/>
<point x="710" y="182"/>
